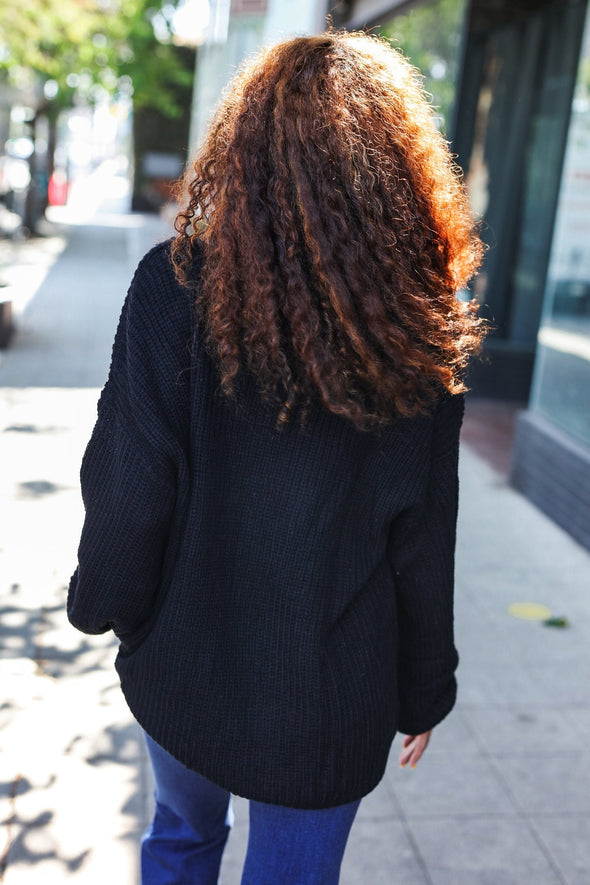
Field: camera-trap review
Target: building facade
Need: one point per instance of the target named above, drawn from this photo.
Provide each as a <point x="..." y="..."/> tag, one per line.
<point x="551" y="459"/>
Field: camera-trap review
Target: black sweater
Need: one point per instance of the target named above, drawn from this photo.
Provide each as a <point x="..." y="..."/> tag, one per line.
<point x="283" y="599"/>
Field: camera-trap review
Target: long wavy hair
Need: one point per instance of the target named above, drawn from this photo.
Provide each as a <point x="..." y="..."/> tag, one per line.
<point x="335" y="233"/>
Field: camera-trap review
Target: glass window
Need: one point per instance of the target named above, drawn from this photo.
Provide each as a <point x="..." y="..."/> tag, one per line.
<point x="518" y="84"/>
<point x="561" y="388"/>
<point x="430" y="37"/>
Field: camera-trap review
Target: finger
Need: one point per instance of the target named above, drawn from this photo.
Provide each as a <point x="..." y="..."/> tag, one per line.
<point x="406" y="753"/>
<point x="416" y="756"/>
<point x="414" y="746"/>
<point x="418" y="750"/>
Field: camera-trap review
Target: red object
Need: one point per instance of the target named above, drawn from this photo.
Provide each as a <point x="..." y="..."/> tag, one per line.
<point x="57" y="189"/>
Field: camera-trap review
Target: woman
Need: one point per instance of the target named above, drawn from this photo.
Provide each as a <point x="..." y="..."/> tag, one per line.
<point x="271" y="485"/>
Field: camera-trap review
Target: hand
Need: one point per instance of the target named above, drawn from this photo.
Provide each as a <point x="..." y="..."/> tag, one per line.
<point x="413" y="746"/>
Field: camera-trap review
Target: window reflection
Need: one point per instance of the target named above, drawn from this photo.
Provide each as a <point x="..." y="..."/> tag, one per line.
<point x="562" y="375"/>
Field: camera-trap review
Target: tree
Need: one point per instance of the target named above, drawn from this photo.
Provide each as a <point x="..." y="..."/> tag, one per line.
<point x="78" y="50"/>
<point x="430" y="37"/>
<point x="81" y="45"/>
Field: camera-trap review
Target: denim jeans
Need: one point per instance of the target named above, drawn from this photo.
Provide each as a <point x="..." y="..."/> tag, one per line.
<point x="185" y="841"/>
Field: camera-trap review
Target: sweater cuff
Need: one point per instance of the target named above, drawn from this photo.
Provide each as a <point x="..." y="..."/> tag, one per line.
<point x="424" y="702"/>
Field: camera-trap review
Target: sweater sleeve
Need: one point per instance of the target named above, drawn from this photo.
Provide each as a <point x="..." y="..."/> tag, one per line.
<point x="422" y="553"/>
<point x="130" y="470"/>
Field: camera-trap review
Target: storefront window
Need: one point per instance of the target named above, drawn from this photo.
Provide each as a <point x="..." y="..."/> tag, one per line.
<point x="561" y="387"/>
<point x="430" y="36"/>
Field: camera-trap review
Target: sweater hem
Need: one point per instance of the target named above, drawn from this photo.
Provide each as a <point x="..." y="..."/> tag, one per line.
<point x="240" y="785"/>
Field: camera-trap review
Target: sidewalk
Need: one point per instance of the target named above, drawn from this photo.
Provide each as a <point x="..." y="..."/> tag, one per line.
<point x="503" y="793"/>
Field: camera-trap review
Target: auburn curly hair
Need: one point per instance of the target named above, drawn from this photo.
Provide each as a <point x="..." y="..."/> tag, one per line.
<point x="335" y="232"/>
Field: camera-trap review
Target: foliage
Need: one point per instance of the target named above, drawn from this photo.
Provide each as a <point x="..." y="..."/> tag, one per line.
<point x="430" y="37"/>
<point x="154" y="64"/>
<point x="83" y="48"/>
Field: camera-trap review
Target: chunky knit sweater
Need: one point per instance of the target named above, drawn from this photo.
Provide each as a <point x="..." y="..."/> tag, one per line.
<point x="283" y="599"/>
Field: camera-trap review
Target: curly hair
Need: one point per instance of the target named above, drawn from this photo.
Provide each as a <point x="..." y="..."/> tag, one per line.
<point x="335" y="232"/>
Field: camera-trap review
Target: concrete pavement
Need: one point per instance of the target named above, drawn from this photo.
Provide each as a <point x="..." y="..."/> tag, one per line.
<point x="502" y="796"/>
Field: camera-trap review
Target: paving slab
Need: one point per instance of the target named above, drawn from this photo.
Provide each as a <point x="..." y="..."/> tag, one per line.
<point x="382" y="852"/>
<point x="567" y="838"/>
<point x="560" y="785"/>
<point x="448" y="786"/>
<point x="483" y="851"/>
<point x="521" y="731"/>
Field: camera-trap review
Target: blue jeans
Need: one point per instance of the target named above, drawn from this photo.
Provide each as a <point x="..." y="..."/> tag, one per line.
<point x="193" y="818"/>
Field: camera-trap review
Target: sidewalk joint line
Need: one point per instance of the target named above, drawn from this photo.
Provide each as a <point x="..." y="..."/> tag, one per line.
<point x="521" y="813"/>
<point x="410" y="835"/>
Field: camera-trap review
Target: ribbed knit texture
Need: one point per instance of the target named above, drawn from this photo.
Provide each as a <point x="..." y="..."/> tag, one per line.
<point x="284" y="600"/>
